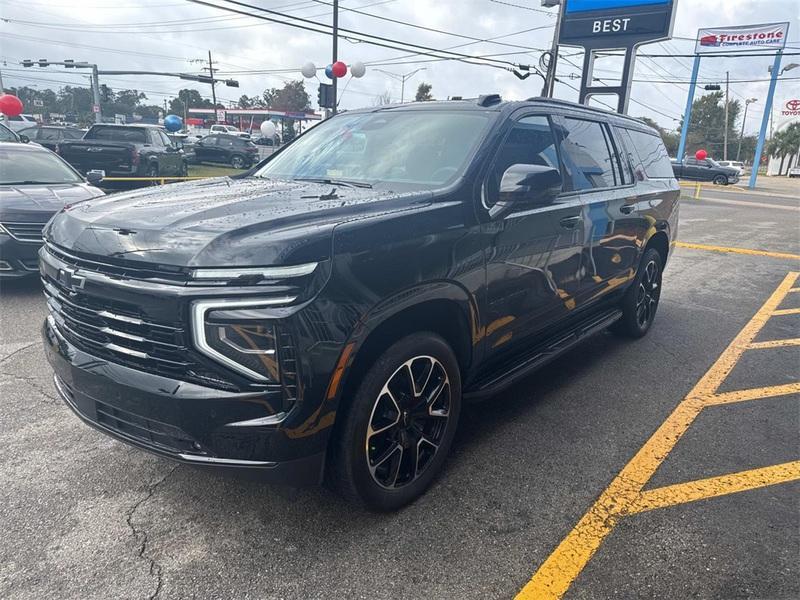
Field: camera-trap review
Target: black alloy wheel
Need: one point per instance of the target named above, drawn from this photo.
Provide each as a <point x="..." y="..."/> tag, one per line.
<point x="237" y="162"/>
<point x="395" y="425"/>
<point x="720" y="180"/>
<point x="408" y="421"/>
<point x="648" y="293"/>
<point x="640" y="302"/>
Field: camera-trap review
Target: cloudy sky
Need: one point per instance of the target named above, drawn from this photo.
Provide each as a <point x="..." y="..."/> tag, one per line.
<point x="167" y="35"/>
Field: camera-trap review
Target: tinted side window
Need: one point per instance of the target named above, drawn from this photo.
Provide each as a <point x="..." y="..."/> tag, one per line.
<point x="586" y="155"/>
<point x="164" y="138"/>
<point x="530" y="142"/>
<point x="652" y="154"/>
<point x="47" y="133"/>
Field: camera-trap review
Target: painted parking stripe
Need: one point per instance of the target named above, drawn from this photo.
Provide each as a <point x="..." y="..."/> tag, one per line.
<point x="732" y="250"/>
<point x="712" y="487"/>
<point x="554" y="577"/>
<point x="774" y="344"/>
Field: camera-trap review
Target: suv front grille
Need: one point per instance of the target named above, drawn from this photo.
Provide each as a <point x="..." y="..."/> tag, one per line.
<point x="25" y="232"/>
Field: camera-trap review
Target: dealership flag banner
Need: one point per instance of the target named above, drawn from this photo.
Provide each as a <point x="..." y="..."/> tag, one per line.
<point x="771" y="36"/>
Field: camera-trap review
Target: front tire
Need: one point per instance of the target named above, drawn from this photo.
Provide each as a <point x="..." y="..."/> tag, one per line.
<point x="398" y="428"/>
<point x="238" y="162"/>
<point x="720" y="180"/>
<point x="152" y="171"/>
<point x="640" y="303"/>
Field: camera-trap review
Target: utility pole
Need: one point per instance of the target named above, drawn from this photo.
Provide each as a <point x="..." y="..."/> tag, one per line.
<point x="725" y="130"/>
<point x="335" y="50"/>
<point x="213" y="90"/>
<point x="747" y="103"/>
<point x="550" y="78"/>
<point x="98" y="116"/>
<point x="402" y="79"/>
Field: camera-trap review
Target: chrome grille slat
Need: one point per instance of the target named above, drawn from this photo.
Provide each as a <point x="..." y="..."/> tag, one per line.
<point x="24" y="232"/>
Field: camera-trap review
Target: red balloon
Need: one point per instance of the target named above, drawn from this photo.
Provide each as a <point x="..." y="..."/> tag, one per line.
<point x="339" y="69"/>
<point x="10" y="105"/>
<point x="701" y="155"/>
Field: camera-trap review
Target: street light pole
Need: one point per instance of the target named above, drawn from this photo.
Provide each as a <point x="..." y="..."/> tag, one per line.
<point x="744" y="119"/>
<point x="725" y="127"/>
<point x="402" y="79"/>
<point x="335" y="56"/>
<point x="550" y="78"/>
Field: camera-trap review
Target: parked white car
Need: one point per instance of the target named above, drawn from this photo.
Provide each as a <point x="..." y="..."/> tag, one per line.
<point x="230" y="130"/>
<point x="20" y="122"/>
<point x="794" y="172"/>
<point x="733" y="164"/>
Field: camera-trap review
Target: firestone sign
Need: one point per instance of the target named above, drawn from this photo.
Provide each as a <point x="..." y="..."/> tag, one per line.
<point x="615" y="23"/>
<point x="771" y="36"/>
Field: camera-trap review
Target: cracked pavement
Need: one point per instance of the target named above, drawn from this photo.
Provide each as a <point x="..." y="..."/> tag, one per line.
<point x="86" y="517"/>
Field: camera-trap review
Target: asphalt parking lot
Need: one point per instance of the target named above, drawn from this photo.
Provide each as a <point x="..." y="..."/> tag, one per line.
<point x="666" y="467"/>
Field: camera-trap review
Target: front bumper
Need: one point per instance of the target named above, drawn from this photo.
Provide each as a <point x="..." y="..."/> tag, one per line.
<point x="182" y="421"/>
<point x="18" y="259"/>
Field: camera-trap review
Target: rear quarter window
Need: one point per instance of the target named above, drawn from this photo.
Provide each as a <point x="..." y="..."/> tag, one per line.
<point x="652" y="154"/>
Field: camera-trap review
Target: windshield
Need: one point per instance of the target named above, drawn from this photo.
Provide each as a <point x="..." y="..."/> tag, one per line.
<point x="30" y="167"/>
<point x="401" y="150"/>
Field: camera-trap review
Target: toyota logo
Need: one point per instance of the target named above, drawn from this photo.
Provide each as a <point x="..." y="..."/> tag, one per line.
<point x="793" y="105"/>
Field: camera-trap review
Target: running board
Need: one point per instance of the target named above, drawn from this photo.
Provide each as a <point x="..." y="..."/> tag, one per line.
<point x="540" y="355"/>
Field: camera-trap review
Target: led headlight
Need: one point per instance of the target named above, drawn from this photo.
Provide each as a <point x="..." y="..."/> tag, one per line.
<point x="231" y="333"/>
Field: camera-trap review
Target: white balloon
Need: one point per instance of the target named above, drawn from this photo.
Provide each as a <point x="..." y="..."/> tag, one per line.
<point x="357" y="69"/>
<point x="268" y="129"/>
<point x="309" y="70"/>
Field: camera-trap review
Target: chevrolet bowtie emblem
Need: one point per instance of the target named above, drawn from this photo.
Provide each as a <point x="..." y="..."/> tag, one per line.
<point x="69" y="279"/>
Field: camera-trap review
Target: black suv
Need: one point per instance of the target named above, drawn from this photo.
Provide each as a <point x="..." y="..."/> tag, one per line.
<point x="232" y="150"/>
<point x="326" y="314"/>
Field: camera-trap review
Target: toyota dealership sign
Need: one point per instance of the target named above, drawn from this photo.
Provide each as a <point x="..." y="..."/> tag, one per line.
<point x="771" y="36"/>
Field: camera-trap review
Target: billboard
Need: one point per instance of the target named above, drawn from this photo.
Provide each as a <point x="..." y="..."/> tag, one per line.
<point x="615" y="23"/>
<point x="771" y="36"/>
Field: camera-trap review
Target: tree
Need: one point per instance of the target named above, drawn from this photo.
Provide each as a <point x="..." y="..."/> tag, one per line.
<point x="246" y="101"/>
<point x="785" y="143"/>
<point x="671" y="139"/>
<point x="188" y="98"/>
<point x="423" y="92"/>
<point x="292" y="97"/>
<point x="707" y="126"/>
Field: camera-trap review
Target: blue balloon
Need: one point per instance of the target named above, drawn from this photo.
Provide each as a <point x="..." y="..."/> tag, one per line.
<point x="329" y="71"/>
<point x="173" y="123"/>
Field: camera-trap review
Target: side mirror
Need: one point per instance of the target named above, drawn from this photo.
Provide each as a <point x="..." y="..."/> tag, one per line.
<point x="95" y="176"/>
<point x="527" y="184"/>
<point x="24" y="138"/>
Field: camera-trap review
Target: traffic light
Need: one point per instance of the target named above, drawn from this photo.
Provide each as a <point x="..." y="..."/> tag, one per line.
<point x="231" y="83"/>
<point x="27" y="62"/>
<point x="325" y="95"/>
<point x="43" y="62"/>
<point x="713" y="87"/>
<point x="69" y="63"/>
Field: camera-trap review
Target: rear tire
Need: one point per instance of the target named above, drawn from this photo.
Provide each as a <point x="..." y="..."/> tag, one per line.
<point x="640" y="303"/>
<point x="720" y="180"/>
<point x="395" y="433"/>
<point x="238" y="162"/>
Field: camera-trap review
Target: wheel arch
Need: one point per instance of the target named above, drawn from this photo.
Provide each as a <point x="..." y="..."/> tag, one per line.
<point x="445" y="309"/>
<point x="660" y="241"/>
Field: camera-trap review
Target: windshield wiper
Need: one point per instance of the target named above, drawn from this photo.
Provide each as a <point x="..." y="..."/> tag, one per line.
<point x="342" y="182"/>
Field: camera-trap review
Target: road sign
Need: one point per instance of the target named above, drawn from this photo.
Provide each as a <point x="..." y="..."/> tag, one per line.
<point x="95" y="108"/>
<point x="220" y="115"/>
<point x="770" y="36"/>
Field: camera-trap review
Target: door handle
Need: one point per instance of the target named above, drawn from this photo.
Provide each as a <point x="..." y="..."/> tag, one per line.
<point x="570" y="222"/>
<point x="627" y="209"/>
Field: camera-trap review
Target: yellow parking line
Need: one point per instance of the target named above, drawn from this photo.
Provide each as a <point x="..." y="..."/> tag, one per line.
<point x="730" y="250"/>
<point x="795" y="289"/>
<point x="553" y="578"/>
<point x="787" y="311"/>
<point x="702" y="489"/>
<point x="771" y="391"/>
<point x="774" y="344"/>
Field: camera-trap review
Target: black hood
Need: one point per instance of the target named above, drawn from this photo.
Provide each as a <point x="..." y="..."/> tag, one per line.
<point x="219" y="222"/>
<point x="37" y="203"/>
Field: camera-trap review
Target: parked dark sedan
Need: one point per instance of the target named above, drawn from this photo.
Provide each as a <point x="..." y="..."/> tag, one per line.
<point x="50" y="136"/>
<point x="34" y="184"/>
<point x="228" y="149"/>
